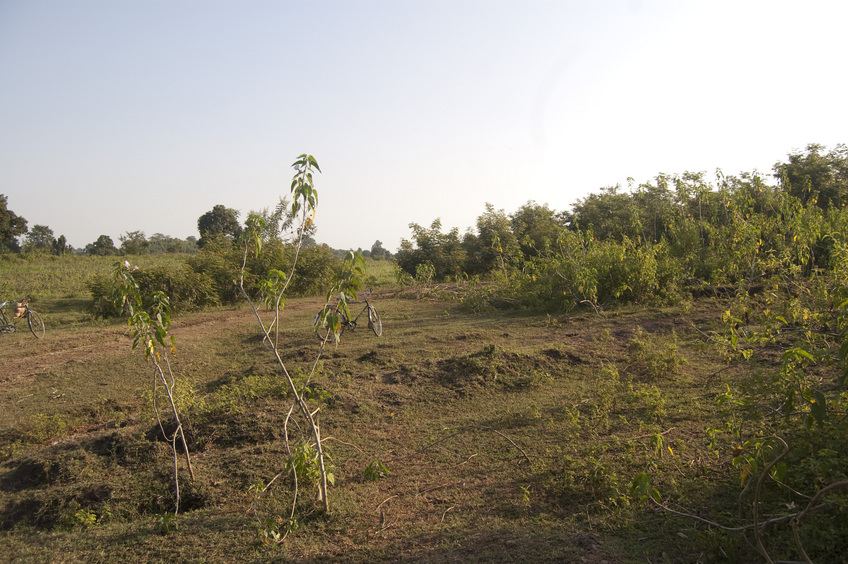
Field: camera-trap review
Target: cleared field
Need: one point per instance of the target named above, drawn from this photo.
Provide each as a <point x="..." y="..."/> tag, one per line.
<point x="502" y="437"/>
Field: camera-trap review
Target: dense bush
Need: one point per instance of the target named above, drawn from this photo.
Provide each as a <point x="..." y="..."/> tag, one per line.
<point x="651" y="243"/>
<point x="220" y="260"/>
<point x="442" y="250"/>
<point x="187" y="289"/>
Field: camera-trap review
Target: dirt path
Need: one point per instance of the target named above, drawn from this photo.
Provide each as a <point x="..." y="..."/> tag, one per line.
<point x="22" y="356"/>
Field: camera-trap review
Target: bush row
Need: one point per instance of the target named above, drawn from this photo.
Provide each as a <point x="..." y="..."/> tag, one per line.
<point x="210" y="278"/>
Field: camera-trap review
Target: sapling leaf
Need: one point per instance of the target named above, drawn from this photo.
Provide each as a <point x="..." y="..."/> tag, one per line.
<point x="818" y="407"/>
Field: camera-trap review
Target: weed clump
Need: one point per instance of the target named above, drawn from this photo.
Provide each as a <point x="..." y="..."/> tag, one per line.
<point x="654" y="358"/>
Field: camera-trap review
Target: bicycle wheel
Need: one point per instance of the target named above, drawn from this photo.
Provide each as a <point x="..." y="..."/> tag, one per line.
<point x="324" y="333"/>
<point x="36" y="325"/>
<point x="374" y="322"/>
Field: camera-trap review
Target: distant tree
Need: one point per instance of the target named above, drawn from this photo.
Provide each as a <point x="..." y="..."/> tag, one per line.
<point x="815" y="176"/>
<point x="535" y="227"/>
<point x="279" y="222"/>
<point x="188" y="245"/>
<point x="377" y="250"/>
<point x="160" y="244"/>
<point x="494" y="245"/>
<point x="60" y="246"/>
<point x="134" y="243"/>
<point x="442" y="250"/>
<point x="11" y="226"/>
<point x="39" y="239"/>
<point x="606" y="214"/>
<point x="104" y="246"/>
<point x="220" y="221"/>
<point x="653" y="210"/>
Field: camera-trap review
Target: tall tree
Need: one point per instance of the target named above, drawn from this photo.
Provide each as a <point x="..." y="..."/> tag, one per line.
<point x="442" y="250"/>
<point x="220" y="221"/>
<point x="816" y="176"/>
<point x="134" y="243"/>
<point x="11" y="226"/>
<point x="60" y="246"/>
<point x="535" y="227"/>
<point x="377" y="250"/>
<point x="494" y="245"/>
<point x="39" y="239"/>
<point x="104" y="246"/>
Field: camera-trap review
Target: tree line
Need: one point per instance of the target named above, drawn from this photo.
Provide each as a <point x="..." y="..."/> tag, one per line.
<point x="40" y="239"/>
<point x="653" y="241"/>
<point x="218" y="222"/>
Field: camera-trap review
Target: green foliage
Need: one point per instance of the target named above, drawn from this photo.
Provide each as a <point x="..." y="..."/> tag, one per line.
<point x="218" y="259"/>
<point x="303" y="462"/>
<point x="220" y="222"/>
<point x="378" y="252"/>
<point x="347" y="281"/>
<point x="187" y="290"/>
<point x="642" y="489"/>
<point x="648" y="401"/>
<point x="376" y="471"/>
<point x="315" y="265"/>
<point x="535" y="228"/>
<point x="11" y="227"/>
<point x="443" y="251"/>
<point x="495" y="246"/>
<point x="134" y="243"/>
<point x="39" y="239"/>
<point x="151" y="330"/>
<point x="103" y="246"/>
<point x="160" y="244"/>
<point x="607" y="387"/>
<point x="816" y="178"/>
<point x="654" y="358"/>
<point x="75" y="516"/>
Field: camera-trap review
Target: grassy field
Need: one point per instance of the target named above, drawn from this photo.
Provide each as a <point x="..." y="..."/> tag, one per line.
<point x="505" y="436"/>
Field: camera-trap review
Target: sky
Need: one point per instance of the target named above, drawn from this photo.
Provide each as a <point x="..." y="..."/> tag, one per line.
<point x="141" y="115"/>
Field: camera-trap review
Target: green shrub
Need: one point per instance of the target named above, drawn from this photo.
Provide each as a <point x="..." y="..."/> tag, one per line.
<point x="651" y="358"/>
<point x="187" y="290"/>
<point x="219" y="260"/>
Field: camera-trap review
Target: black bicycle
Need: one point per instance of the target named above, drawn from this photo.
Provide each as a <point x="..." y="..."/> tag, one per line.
<point x="12" y="312"/>
<point x="324" y="318"/>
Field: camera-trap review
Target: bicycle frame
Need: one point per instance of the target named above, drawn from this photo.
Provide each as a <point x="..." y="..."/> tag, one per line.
<point x="352" y="323"/>
<point x="374" y="322"/>
<point x="7" y="320"/>
<point x="12" y="312"/>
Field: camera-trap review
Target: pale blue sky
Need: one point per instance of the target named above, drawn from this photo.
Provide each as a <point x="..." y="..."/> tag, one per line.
<point x="126" y="115"/>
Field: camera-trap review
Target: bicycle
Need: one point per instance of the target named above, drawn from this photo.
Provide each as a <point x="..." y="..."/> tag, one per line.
<point x="323" y="327"/>
<point x="12" y="312"/>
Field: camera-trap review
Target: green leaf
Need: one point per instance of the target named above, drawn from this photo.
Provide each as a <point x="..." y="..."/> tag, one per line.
<point x="779" y="471"/>
<point x="818" y="407"/>
<point x="314" y="163"/>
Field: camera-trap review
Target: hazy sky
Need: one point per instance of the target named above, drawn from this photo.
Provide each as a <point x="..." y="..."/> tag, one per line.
<point x="127" y="115"/>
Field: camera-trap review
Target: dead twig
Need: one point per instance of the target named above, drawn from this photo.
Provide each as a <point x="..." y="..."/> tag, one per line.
<point x="441" y="486"/>
<point x="796" y="521"/>
<point x="332" y="438"/>
<point x="445" y="513"/>
<point x="384" y="501"/>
